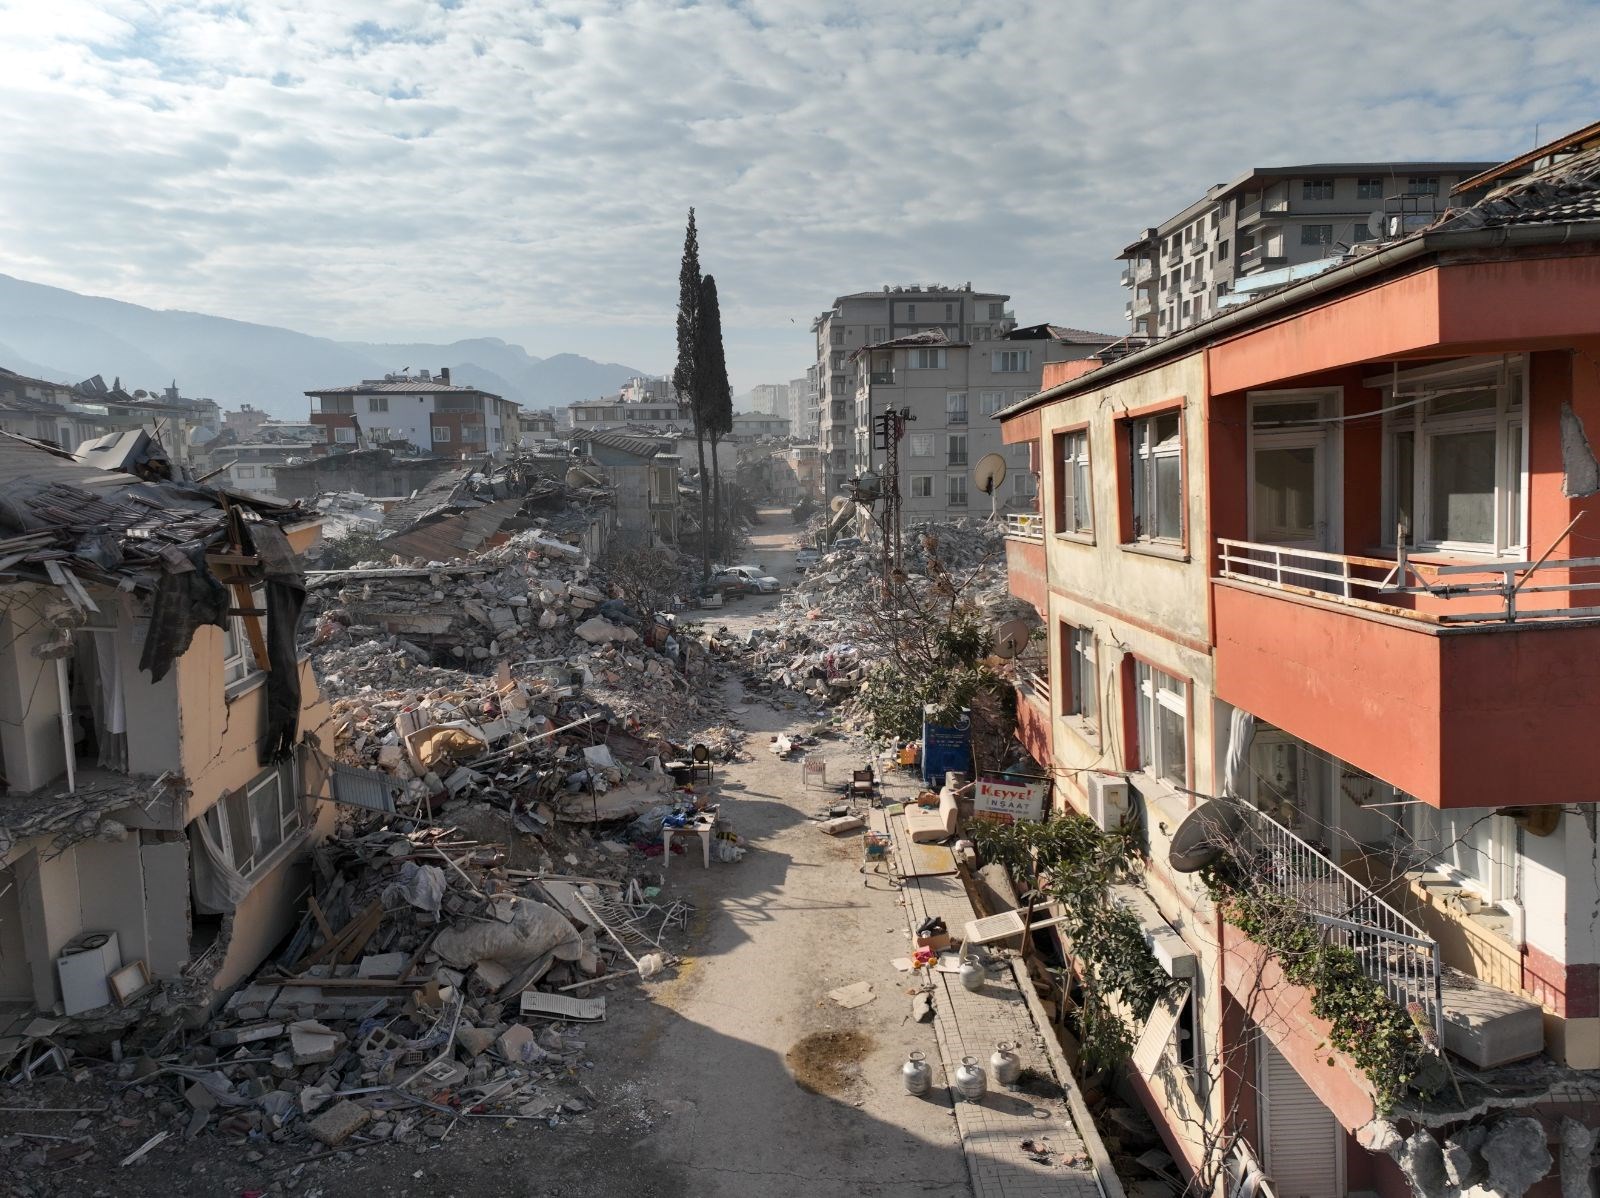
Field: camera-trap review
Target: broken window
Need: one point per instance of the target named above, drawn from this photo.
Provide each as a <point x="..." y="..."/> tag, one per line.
<point x="238" y="659"/>
<point x="1455" y="461"/>
<point x="252" y="823"/>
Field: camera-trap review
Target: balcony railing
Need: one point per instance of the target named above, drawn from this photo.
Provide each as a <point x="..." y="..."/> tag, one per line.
<point x="956" y="417"/>
<point x="1397" y="586"/>
<point x="881" y="377"/>
<point x="1257" y="256"/>
<point x="1392" y="951"/>
<point x="955" y="459"/>
<point x="1126" y="278"/>
<point x="1025" y="526"/>
<point x="1034" y="685"/>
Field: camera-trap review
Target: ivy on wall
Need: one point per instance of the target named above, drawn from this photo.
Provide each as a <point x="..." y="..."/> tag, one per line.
<point x="1383" y="1040"/>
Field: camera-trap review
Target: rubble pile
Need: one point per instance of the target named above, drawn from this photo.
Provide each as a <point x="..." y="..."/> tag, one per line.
<point x="814" y="654"/>
<point x="521" y="639"/>
<point x="429" y="982"/>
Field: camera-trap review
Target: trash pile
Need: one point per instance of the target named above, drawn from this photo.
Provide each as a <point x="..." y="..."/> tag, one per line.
<point x="812" y="656"/>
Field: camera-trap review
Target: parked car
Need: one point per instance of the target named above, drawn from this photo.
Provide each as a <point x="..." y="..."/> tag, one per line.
<point x="727" y="582"/>
<point x="805" y="558"/>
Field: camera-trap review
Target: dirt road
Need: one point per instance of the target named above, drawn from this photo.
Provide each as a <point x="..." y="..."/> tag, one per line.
<point x="733" y="1077"/>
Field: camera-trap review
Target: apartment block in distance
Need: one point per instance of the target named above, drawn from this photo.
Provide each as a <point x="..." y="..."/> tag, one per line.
<point x="952" y="389"/>
<point x="428" y="411"/>
<point x="1272" y="218"/>
<point x="1323" y="603"/>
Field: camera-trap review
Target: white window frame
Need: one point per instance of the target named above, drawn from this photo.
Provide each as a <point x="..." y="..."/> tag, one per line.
<point x="922" y="486"/>
<point x="1508" y="421"/>
<point x="1438" y="838"/>
<point x="344" y="434"/>
<point x="950" y="442"/>
<point x="990" y="402"/>
<point x="955" y="489"/>
<point x="1010" y="361"/>
<point x="1024" y="484"/>
<point x="1320" y="186"/>
<point x="1156" y="691"/>
<point x="238" y="659"/>
<point x="1080" y="696"/>
<point x="1077" y="491"/>
<point x="955" y="407"/>
<point x="921" y="445"/>
<point x="288" y="818"/>
<point x="441" y="433"/>
<point x="1144" y="493"/>
<point x="241" y="470"/>
<point x="1306" y="239"/>
<point x="377" y="403"/>
<point x="925" y="359"/>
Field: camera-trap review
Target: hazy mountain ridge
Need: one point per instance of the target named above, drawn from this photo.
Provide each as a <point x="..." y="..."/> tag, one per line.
<point x="61" y="334"/>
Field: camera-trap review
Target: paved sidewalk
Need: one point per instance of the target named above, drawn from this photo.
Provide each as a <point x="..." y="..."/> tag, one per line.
<point x="971" y="1024"/>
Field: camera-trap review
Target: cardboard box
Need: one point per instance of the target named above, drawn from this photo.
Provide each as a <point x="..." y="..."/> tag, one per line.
<point x="938" y="942"/>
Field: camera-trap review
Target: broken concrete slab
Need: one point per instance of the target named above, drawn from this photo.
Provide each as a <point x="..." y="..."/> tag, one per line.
<point x="233" y="1037"/>
<point x="313" y="1043"/>
<point x="842" y="823"/>
<point x="1518" y="1154"/>
<point x="338" y="1123"/>
<point x="476" y="1040"/>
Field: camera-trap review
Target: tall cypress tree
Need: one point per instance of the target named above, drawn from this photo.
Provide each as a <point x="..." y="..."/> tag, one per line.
<point x="686" y="374"/>
<point x="716" y="394"/>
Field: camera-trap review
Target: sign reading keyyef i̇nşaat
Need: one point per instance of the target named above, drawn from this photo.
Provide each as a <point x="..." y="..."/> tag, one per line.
<point x="1009" y="801"/>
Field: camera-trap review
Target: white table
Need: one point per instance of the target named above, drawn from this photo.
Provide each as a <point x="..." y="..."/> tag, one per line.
<point x="705" y="831"/>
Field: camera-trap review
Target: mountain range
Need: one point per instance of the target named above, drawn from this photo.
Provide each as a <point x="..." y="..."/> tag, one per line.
<point x="55" y="334"/>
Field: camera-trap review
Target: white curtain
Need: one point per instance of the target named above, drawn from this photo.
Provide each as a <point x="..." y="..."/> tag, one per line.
<point x="1241" y="731"/>
<point x="218" y="886"/>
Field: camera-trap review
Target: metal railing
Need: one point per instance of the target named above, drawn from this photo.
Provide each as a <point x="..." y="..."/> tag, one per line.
<point x="955" y="460"/>
<point x="1034" y="685"/>
<point x="1380" y="583"/>
<point x="956" y="417"/>
<point x="1392" y="951"/>
<point x="1025" y="526"/>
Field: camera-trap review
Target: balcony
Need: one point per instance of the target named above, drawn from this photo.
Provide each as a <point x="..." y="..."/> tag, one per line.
<point x="1257" y="258"/>
<point x="1467" y="685"/>
<point x="958" y="416"/>
<point x="881" y="378"/>
<point x="1393" y="951"/>
<point x="1126" y="277"/>
<point x="1196" y="284"/>
<point x="1127" y="311"/>
<point x="954" y="460"/>
<point x="1258" y="212"/>
<point x="1174" y="255"/>
<point x="1027" y="526"/>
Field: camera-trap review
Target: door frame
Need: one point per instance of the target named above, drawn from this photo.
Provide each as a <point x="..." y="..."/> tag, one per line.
<point x="1330" y="401"/>
<point x="1264" y="1046"/>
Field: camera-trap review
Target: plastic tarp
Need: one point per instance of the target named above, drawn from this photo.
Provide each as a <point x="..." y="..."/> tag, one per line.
<point x="535" y="930"/>
<point x="422" y="886"/>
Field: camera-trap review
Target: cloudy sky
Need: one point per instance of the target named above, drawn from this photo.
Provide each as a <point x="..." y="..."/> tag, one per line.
<point x="408" y="169"/>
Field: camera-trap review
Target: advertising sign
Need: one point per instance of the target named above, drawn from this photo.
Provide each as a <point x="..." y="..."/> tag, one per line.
<point x="1009" y="801"/>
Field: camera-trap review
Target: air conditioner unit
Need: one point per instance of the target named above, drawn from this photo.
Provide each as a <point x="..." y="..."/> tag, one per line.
<point x="1108" y="800"/>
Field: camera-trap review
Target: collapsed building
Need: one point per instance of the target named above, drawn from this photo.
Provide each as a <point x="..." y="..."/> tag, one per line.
<point x="159" y="734"/>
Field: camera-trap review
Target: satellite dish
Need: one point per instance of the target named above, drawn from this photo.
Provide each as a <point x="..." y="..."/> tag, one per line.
<point x="836" y="503"/>
<point x="989" y="473"/>
<point x="1010" y="637"/>
<point x="1375" y="224"/>
<point x="1204" y="835"/>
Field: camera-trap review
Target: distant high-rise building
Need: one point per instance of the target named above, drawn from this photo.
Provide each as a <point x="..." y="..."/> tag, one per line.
<point x="771" y="399"/>
<point x="1183" y="270"/>
<point x="954" y="357"/>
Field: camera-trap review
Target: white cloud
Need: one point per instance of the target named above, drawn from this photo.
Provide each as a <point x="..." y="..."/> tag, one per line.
<point x="400" y="168"/>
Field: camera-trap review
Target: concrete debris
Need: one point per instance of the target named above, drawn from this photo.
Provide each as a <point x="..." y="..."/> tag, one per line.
<point x="1578" y="1144"/>
<point x="1518" y="1155"/>
<point x="812" y="656"/>
<point x="337" y="1124"/>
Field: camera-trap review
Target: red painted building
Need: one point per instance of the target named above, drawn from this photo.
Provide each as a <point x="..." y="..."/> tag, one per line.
<point x="1331" y="562"/>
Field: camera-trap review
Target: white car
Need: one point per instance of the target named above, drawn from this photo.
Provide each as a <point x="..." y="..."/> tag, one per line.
<point x="760" y="581"/>
<point x="804" y="559"/>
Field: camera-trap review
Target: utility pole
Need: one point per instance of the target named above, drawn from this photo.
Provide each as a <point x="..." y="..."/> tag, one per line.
<point x="888" y="429"/>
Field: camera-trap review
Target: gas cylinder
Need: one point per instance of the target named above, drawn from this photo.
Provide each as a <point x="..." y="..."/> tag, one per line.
<point x="972" y="975"/>
<point x="971" y="1083"/>
<point x="915" y="1073"/>
<point x="1005" y="1064"/>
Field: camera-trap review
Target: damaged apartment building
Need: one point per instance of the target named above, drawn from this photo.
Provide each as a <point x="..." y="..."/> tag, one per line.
<point x="158" y="736"/>
<point x="1319" y="577"/>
